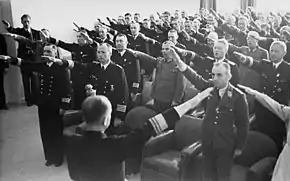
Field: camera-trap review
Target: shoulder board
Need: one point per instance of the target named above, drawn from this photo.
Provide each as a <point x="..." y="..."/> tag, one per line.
<point x="210" y="58"/>
<point x="95" y="62"/>
<point x="231" y="63"/>
<point x="266" y="61"/>
<point x="240" y="92"/>
<point x="116" y="65"/>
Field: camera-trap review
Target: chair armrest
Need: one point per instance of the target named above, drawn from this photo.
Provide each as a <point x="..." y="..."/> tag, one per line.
<point x="72" y="117"/>
<point x="159" y="144"/>
<point x="189" y="155"/>
<point x="191" y="150"/>
<point x="264" y="167"/>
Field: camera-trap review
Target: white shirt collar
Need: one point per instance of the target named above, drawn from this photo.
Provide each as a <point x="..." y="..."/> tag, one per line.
<point x="277" y="64"/>
<point x="135" y="36"/>
<point x="106" y="65"/>
<point x="49" y="64"/>
<point x="29" y="30"/>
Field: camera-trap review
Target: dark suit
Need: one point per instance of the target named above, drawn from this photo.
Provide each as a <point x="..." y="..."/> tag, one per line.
<point x="276" y="84"/>
<point x="53" y="94"/>
<point x="131" y="66"/>
<point x="3" y="66"/>
<point x="27" y="52"/>
<point x="224" y="127"/>
<point x="94" y="156"/>
<point x="111" y="83"/>
<point x="203" y="66"/>
<point x="79" y="75"/>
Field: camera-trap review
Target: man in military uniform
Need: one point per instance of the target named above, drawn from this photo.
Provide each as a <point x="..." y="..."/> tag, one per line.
<point x="52" y="101"/>
<point x="104" y="36"/>
<point x="168" y="85"/>
<point x="203" y="65"/>
<point x="3" y="70"/>
<point x="107" y="79"/>
<point x="26" y="52"/>
<point x="95" y="156"/>
<point x="275" y="82"/>
<point x="83" y="53"/>
<point x="130" y="64"/>
<point x="225" y="110"/>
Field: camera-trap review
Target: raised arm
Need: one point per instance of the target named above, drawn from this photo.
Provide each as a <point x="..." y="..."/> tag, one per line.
<point x="189" y="73"/>
<point x="280" y="110"/>
<point x="134" y="142"/>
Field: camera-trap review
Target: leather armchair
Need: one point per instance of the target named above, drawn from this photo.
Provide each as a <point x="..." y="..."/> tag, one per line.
<point x="169" y="156"/>
<point x="165" y="159"/>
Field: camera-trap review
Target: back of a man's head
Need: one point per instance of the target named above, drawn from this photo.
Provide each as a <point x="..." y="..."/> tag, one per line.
<point x="95" y="107"/>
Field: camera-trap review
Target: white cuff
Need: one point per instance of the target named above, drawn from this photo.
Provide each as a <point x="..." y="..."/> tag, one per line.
<point x="159" y="123"/>
<point x="19" y="61"/>
<point x="70" y="64"/>
<point x="121" y="108"/>
<point x="136" y="85"/>
<point x="66" y="100"/>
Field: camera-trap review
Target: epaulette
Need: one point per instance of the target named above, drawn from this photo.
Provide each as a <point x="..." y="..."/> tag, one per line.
<point x="95" y="62"/>
<point x="231" y="63"/>
<point x="210" y="58"/>
<point x="267" y="61"/>
<point x="239" y="91"/>
<point x="117" y="65"/>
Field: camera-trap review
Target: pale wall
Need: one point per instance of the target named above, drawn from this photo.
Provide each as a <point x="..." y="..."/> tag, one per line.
<point x="58" y="15"/>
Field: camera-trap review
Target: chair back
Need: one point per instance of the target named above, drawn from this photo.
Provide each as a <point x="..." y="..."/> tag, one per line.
<point x="187" y="131"/>
<point x="136" y="117"/>
<point x="258" y="146"/>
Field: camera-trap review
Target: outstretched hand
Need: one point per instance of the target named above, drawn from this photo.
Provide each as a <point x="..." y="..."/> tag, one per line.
<point x="48" y="59"/>
<point x="6" y="23"/>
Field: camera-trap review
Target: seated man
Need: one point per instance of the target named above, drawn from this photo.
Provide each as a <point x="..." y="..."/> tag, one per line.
<point x="94" y="156"/>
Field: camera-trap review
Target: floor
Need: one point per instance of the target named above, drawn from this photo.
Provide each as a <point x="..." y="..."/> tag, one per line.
<point x="21" y="155"/>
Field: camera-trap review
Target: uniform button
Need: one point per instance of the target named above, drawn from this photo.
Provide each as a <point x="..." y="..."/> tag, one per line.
<point x="216" y="117"/>
<point x="215" y="122"/>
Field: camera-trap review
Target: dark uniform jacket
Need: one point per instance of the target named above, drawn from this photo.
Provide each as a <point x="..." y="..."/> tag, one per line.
<point x="94" y="156"/>
<point x="111" y="83"/>
<point x="131" y="66"/>
<point x="82" y="54"/>
<point x="222" y="115"/>
<point x="106" y="40"/>
<point x="276" y="84"/>
<point x="24" y="49"/>
<point x="3" y="51"/>
<point x="203" y="66"/>
<point x="54" y="80"/>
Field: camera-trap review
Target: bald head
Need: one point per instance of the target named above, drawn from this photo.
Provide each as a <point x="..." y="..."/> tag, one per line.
<point x="96" y="108"/>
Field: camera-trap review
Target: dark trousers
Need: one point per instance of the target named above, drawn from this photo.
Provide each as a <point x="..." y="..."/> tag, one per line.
<point x="2" y="92"/>
<point x="217" y="163"/>
<point x="29" y="80"/>
<point x="79" y="95"/>
<point x="51" y="129"/>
